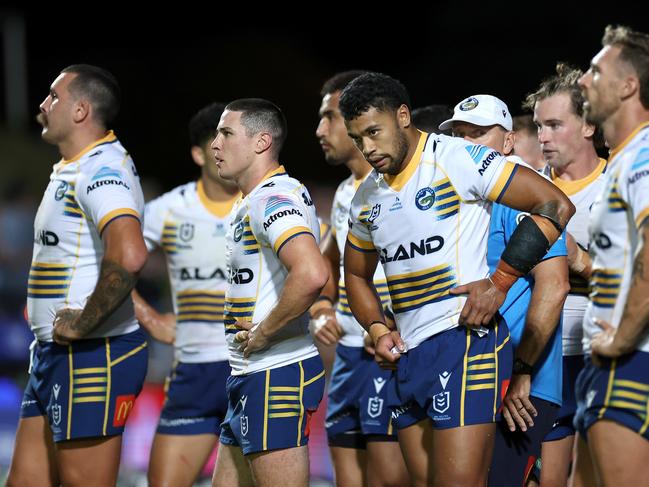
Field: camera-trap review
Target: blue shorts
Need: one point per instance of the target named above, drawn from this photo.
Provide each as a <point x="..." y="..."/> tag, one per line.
<point x="455" y="378"/>
<point x="271" y="409"/>
<point x="563" y="427"/>
<point x="86" y="389"/>
<point x="618" y="391"/>
<point x="357" y="395"/>
<point x="196" y="401"/>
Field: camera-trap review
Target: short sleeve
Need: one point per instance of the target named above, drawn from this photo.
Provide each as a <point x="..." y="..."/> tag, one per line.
<point x="636" y="187"/>
<point x="108" y="193"/>
<point x="154" y="217"/>
<point x="361" y="216"/>
<point x="277" y="218"/>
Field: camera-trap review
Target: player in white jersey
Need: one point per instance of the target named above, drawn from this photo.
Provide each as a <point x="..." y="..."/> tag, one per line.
<point x="90" y="357"/>
<point x="276" y="272"/>
<point x="613" y="387"/>
<point x="453" y="361"/>
<point x="568" y="145"/>
<point x="361" y="437"/>
<point x="189" y="224"/>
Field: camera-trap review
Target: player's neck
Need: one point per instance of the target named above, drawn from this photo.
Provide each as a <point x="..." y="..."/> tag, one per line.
<point x="216" y="190"/>
<point x="72" y="146"/>
<point x="255" y="174"/>
<point x="359" y="167"/>
<point x="582" y="166"/>
<point x="619" y="126"/>
<point x="413" y="135"/>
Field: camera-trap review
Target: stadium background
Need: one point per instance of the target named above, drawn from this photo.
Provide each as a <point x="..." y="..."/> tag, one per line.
<point x="171" y="62"/>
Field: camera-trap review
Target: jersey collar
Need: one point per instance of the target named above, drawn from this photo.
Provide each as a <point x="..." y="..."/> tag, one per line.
<point x="108" y="138"/>
<point x="572" y="187"/>
<point x="398" y="181"/>
<point x="626" y="141"/>
<point x="216" y="208"/>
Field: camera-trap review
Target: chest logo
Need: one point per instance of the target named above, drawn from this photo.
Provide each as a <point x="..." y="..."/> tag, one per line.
<point x="425" y="198"/>
<point x="238" y="231"/>
<point x="60" y="191"/>
<point x="186" y="232"/>
<point x="374" y="214"/>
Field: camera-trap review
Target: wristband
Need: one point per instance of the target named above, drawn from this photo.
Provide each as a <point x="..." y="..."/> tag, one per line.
<point x="522" y="368"/>
<point x="377" y="332"/>
<point x="502" y="279"/>
<point x="323" y="302"/>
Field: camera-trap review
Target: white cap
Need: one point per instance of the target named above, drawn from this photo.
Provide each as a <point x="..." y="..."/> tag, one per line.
<point x="482" y="110"/>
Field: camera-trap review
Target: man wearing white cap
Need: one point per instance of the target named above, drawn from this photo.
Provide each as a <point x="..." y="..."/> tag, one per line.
<point x="532" y="311"/>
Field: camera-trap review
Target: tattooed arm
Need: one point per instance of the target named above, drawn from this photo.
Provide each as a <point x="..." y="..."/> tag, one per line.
<point x="614" y="342"/>
<point x="124" y="255"/>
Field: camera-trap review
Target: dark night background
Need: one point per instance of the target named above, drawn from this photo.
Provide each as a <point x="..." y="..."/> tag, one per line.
<point x="172" y="62"/>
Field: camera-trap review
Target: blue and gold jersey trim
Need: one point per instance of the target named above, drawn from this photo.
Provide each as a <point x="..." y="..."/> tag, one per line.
<point x="169" y="240"/>
<point x="250" y="244"/>
<point x="113" y="215"/>
<point x="70" y="205"/>
<point x="579" y="286"/>
<point x="506" y="176"/>
<point x="48" y="281"/>
<point x="447" y="201"/>
<point x="89" y="385"/>
<point x="237" y="309"/>
<point x="288" y="235"/>
<point x="629" y="394"/>
<point x="343" y="304"/>
<point x="615" y="202"/>
<point x="358" y="244"/>
<point x="417" y="289"/>
<point x="481" y="372"/>
<point x="203" y="306"/>
<point x="605" y="287"/>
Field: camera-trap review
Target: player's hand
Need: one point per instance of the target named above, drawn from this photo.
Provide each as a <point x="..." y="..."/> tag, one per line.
<point x="163" y="328"/>
<point x="604" y="344"/>
<point x="388" y="350"/>
<point x="517" y="408"/>
<point x="482" y="302"/>
<point x="325" y="326"/>
<point x="64" y="326"/>
<point x="251" y="338"/>
<point x="368" y="344"/>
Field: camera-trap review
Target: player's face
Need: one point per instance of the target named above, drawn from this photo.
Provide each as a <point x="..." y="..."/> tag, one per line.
<point x="57" y="110"/>
<point x="528" y="148"/>
<point x="338" y="148"/>
<point x="209" y="167"/>
<point x="493" y="136"/>
<point x="600" y="84"/>
<point x="380" y="138"/>
<point x="561" y="132"/>
<point x="233" y="150"/>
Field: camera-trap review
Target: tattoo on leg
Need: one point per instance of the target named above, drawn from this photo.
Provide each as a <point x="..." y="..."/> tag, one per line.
<point x="114" y="285"/>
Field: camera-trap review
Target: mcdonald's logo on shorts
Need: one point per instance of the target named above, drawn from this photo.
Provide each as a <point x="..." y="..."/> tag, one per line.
<point x="123" y="406"/>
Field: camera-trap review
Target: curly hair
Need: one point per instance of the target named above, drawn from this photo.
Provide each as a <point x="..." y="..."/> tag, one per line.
<point x="372" y="90"/>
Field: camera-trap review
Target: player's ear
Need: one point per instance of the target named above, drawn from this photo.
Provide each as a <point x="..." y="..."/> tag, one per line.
<point x="587" y="130"/>
<point x="508" y="143"/>
<point x="198" y="155"/>
<point x="82" y="110"/>
<point x="264" y="142"/>
<point x="403" y="116"/>
<point x="630" y="86"/>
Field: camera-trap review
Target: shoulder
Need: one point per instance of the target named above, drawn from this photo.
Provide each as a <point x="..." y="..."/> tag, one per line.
<point x="177" y="196"/>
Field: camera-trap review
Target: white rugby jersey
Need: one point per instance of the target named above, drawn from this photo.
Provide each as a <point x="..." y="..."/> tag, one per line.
<point x="429" y="225"/>
<point x="616" y="216"/>
<point x="191" y="231"/>
<point x="353" y="331"/>
<point x="84" y="195"/>
<point x="276" y="210"/>
<point x="582" y="193"/>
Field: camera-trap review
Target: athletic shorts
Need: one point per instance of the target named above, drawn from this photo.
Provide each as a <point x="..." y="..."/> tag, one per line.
<point x="455" y="378"/>
<point x="563" y="426"/>
<point x="617" y="391"/>
<point x="88" y="388"/>
<point x="357" y="396"/>
<point x="196" y="401"/>
<point x="271" y="409"/>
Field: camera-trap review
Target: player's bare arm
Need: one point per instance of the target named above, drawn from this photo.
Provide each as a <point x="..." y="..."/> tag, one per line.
<point x="161" y="326"/>
<point x="124" y="255"/>
<point x="327" y="330"/>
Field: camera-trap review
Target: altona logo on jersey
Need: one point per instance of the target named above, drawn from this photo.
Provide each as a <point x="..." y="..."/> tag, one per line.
<point x="280" y="214"/>
<point x="425" y="198"/>
<point x="412" y="249"/>
<point x="60" y="191"/>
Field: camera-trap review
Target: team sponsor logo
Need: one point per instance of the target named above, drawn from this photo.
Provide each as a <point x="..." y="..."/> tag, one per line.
<point x="469" y="104"/>
<point x="412" y="249"/>
<point x="243" y="419"/>
<point x="107" y="172"/>
<point x="60" y="191"/>
<point x="107" y="182"/>
<point x="307" y="199"/>
<point x="196" y="274"/>
<point x="398" y="411"/>
<point x="274" y="203"/>
<point x="602" y="241"/>
<point x="123" y="407"/>
<point x="280" y="214"/>
<point x="240" y="276"/>
<point x="56" y="414"/>
<point x="45" y="237"/>
<point x="425" y="198"/>
<point x="238" y="231"/>
<point x="374" y="214"/>
<point x="374" y="406"/>
<point x="482" y="155"/>
<point x="638" y="175"/>
<point x="186" y="231"/>
<point x="396" y="205"/>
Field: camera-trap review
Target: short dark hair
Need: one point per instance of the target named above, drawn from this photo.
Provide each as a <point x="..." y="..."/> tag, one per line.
<point x="634" y="50"/>
<point x="100" y="88"/>
<point x="202" y="126"/>
<point x="564" y="81"/>
<point x="372" y="90"/>
<point x="429" y="117"/>
<point x="339" y="81"/>
<point x="259" y="115"/>
<point x="525" y="123"/>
